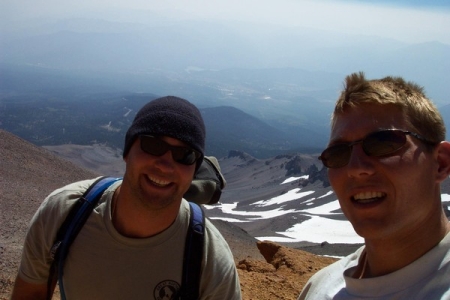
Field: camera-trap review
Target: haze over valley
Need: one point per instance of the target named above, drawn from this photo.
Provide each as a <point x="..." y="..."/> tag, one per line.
<point x="277" y="69"/>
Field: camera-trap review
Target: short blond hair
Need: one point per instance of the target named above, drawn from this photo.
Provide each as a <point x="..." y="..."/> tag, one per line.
<point x="422" y="114"/>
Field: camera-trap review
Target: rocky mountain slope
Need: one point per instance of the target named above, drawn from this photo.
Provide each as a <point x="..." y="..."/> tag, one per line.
<point x="265" y="197"/>
<point x="267" y="270"/>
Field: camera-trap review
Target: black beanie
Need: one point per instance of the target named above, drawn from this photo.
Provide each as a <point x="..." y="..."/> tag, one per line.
<point x="169" y="116"/>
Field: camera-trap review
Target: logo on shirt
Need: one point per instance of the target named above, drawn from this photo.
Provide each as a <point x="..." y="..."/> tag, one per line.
<point x="166" y="290"/>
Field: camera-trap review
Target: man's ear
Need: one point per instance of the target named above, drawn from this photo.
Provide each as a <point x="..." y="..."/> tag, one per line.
<point x="443" y="159"/>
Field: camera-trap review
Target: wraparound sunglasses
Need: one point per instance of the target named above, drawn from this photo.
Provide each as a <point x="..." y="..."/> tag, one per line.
<point x="157" y="147"/>
<point x="377" y="143"/>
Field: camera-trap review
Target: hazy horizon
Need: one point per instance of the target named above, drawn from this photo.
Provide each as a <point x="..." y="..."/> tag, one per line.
<point x="407" y="21"/>
<point x="281" y="60"/>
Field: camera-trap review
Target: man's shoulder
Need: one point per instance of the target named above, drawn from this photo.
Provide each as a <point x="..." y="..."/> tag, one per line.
<point x="74" y="187"/>
<point x="335" y="270"/>
<point x="332" y="276"/>
<point x="214" y="240"/>
<point x="212" y="230"/>
<point x="63" y="197"/>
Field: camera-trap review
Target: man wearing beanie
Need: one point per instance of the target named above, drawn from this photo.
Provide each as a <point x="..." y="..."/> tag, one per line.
<point x="132" y="244"/>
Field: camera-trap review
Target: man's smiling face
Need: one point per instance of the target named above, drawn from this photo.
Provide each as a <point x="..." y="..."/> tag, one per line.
<point x="385" y="196"/>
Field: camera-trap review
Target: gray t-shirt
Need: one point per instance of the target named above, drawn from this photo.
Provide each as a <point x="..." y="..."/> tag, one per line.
<point x="103" y="264"/>
<point x="426" y="278"/>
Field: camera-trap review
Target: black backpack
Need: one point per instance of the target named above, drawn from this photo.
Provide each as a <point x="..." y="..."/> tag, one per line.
<point x="205" y="189"/>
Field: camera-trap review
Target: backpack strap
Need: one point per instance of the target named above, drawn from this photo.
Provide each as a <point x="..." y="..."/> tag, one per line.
<point x="70" y="228"/>
<point x="79" y="213"/>
<point x="193" y="254"/>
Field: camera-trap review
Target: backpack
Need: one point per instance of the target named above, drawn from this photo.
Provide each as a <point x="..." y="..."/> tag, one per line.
<point x="205" y="189"/>
<point x="208" y="183"/>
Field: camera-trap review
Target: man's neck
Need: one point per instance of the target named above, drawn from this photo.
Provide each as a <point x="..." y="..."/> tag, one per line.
<point x="389" y="255"/>
<point x="134" y="222"/>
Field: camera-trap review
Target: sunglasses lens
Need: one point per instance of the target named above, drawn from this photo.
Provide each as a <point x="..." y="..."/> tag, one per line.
<point x="336" y="156"/>
<point x="384" y="142"/>
<point x="157" y="147"/>
<point x="375" y="144"/>
<point x="153" y="146"/>
<point x="184" y="155"/>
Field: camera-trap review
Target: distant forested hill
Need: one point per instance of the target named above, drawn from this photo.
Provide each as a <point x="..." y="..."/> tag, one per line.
<point x="70" y="116"/>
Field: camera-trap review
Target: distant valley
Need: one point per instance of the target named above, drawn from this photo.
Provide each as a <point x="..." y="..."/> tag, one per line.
<point x="86" y="117"/>
<point x="264" y="90"/>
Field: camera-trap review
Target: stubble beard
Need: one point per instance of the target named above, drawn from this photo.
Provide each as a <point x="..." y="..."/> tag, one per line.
<point x="154" y="201"/>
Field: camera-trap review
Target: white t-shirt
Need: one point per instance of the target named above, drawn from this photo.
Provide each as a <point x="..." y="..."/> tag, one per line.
<point x="426" y="278"/>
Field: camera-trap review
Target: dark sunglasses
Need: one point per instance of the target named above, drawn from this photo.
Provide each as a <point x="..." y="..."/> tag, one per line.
<point x="157" y="147"/>
<point x="377" y="143"/>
